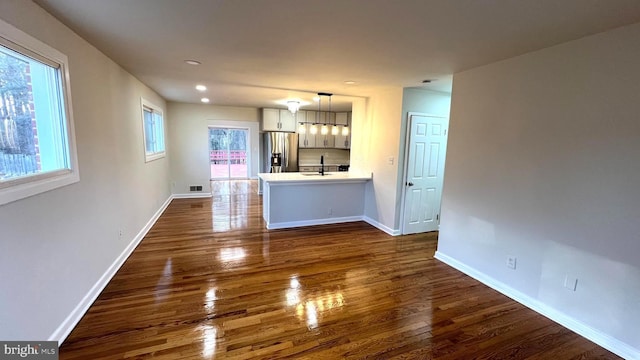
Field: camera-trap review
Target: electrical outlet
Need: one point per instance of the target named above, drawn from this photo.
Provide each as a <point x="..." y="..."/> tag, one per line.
<point x="120" y="234"/>
<point x="329" y="211"/>
<point x="511" y="262"/>
<point x="571" y="282"/>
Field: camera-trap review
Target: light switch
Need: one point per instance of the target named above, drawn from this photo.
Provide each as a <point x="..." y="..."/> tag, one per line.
<point x="390" y="160"/>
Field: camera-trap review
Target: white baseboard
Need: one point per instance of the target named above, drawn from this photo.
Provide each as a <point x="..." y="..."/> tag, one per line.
<point x="381" y="226"/>
<point x="606" y="341"/>
<point x="292" y="224"/>
<point x="61" y="333"/>
<point x="196" y="195"/>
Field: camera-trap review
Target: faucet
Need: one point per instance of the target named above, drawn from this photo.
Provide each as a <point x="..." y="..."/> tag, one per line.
<point x="321" y="165"/>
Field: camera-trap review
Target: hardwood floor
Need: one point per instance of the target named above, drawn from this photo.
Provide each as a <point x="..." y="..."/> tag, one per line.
<point x="209" y="281"/>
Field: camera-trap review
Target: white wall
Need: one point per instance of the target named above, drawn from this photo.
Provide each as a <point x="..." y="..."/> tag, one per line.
<point x="189" y="137"/>
<point x="543" y="164"/>
<point x="378" y="139"/>
<point x="359" y="144"/>
<point x="55" y="246"/>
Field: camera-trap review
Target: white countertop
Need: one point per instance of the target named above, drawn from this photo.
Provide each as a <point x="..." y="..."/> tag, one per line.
<point x="296" y="177"/>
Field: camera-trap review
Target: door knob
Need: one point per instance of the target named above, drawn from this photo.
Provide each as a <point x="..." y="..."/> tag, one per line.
<point x="409" y="183"/>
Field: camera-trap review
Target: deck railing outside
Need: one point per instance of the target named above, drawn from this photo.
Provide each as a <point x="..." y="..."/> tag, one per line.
<point x="222" y="156"/>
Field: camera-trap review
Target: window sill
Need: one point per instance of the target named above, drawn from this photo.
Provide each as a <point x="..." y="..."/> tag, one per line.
<point x="37" y="185"/>
<point x="152" y="157"/>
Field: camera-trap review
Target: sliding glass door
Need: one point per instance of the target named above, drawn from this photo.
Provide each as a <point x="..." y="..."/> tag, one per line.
<point x="228" y="153"/>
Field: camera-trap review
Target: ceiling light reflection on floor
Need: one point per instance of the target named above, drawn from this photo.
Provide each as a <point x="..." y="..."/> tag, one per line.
<point x="232" y="254"/>
<point x="295" y="283"/>
<point x="293" y="293"/>
<point x="209" y="341"/>
<point x="210" y="299"/>
<point x="293" y="297"/>
<point x="312" y="315"/>
<point x="314" y="307"/>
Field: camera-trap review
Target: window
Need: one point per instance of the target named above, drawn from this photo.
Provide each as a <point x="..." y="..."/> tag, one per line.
<point x="37" y="148"/>
<point x="153" y="131"/>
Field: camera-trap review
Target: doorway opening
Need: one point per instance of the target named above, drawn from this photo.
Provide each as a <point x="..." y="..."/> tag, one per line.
<point x="228" y="155"/>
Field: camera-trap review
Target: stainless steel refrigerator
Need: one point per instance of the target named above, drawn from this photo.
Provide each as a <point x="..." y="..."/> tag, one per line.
<point x="280" y="152"/>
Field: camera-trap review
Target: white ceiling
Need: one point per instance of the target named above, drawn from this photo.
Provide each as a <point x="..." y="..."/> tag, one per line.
<point x="258" y="52"/>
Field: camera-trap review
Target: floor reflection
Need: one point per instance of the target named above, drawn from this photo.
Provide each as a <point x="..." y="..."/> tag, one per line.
<point x="164" y="281"/>
<point x="209" y="341"/>
<point x="210" y="299"/>
<point x="310" y="308"/>
<point x="231" y="254"/>
<point x="230" y="203"/>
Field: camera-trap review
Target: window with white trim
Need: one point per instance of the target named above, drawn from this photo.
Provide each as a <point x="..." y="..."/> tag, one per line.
<point x="37" y="148"/>
<point x="153" y="127"/>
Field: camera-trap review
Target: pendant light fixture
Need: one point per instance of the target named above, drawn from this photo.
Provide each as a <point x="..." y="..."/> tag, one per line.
<point x="334" y="129"/>
<point x="313" y="129"/>
<point x="304" y="126"/>
<point x="324" y="130"/>
<point x="345" y="131"/>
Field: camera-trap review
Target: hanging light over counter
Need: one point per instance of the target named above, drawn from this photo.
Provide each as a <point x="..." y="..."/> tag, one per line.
<point x="326" y="125"/>
<point x="324" y="130"/>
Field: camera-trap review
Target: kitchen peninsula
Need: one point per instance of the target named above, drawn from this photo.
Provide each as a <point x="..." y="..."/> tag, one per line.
<point x="302" y="199"/>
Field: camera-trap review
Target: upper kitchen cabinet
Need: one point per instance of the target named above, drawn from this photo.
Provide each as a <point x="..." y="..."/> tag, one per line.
<point x="306" y="139"/>
<point x="343" y="141"/>
<point x="278" y="120"/>
<point x="287" y="121"/>
<point x="270" y="120"/>
<point x="342" y="118"/>
<point x="299" y="119"/>
<point x="324" y="141"/>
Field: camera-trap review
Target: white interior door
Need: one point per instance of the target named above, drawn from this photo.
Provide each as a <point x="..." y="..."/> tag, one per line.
<point x="424" y="173"/>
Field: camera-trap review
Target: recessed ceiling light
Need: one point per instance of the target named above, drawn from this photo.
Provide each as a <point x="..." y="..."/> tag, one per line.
<point x="205" y="100"/>
<point x="350" y="82"/>
<point x="201" y="88"/>
<point x="193" y="62"/>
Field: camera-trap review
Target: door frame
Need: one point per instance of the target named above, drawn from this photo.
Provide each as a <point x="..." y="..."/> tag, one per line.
<point x="405" y="163"/>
